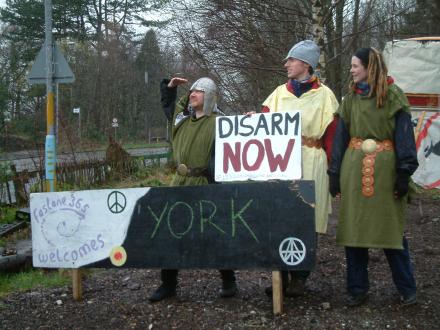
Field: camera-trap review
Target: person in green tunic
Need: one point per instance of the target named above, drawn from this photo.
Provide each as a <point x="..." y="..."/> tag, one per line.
<point x="193" y="133"/>
<point x="373" y="157"/>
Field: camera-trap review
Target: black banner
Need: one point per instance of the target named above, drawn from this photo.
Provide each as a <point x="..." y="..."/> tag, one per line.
<point x="261" y="225"/>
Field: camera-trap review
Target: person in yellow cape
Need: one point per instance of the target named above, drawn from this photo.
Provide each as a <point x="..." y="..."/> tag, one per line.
<point x="317" y="105"/>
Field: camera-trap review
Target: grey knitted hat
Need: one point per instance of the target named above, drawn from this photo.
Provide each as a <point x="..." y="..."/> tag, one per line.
<point x="306" y="51"/>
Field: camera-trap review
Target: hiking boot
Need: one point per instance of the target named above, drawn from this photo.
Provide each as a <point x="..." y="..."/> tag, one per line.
<point x="357" y="299"/>
<point x="229" y="289"/>
<point x="296" y="287"/>
<point x="408" y="300"/>
<point x="162" y="293"/>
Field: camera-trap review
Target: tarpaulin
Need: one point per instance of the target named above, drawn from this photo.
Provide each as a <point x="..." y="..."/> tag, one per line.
<point x="428" y="154"/>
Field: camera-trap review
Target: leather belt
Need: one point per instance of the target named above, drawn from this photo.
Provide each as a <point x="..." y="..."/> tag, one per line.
<point x="311" y="143"/>
<point x="184" y="170"/>
<point x="370" y="148"/>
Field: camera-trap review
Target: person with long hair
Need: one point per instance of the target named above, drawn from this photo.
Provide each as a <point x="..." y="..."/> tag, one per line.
<point x="373" y="157"/>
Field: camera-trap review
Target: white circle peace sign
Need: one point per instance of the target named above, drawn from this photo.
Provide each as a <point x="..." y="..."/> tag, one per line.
<point x="292" y="251"/>
<point x="116" y="202"/>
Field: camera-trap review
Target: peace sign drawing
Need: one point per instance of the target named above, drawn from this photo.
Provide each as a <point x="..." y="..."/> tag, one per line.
<point x="292" y="251"/>
<point x="116" y="202"/>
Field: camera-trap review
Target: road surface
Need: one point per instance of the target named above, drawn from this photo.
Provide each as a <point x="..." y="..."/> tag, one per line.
<point x="31" y="160"/>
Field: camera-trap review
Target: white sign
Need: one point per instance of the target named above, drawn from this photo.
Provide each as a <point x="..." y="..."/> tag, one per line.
<point x="428" y="154"/>
<point x="115" y="125"/>
<point x="115" y="120"/>
<point x="76" y="110"/>
<point x="258" y="147"/>
<point x="67" y="227"/>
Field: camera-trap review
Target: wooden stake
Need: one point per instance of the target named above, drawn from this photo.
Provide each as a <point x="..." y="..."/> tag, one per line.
<point x="277" y="292"/>
<point x="77" y="284"/>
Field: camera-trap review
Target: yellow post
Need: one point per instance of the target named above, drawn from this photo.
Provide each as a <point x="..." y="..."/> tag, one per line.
<point x="50" y="148"/>
<point x="50" y="112"/>
<point x="277" y="292"/>
<point x="77" y="284"/>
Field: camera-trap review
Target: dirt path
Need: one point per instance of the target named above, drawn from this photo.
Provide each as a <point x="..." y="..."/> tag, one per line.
<point x="117" y="298"/>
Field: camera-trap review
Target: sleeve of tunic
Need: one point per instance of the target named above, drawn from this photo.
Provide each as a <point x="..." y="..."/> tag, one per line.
<point x="329" y="107"/>
<point x="405" y="145"/>
<point x="404" y="141"/>
<point x="270" y="103"/>
<point x="328" y="137"/>
<point x="168" y="98"/>
<point x="340" y="141"/>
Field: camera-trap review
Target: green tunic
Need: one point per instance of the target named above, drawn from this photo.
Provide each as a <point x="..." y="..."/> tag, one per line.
<point x="193" y="141"/>
<point x="377" y="221"/>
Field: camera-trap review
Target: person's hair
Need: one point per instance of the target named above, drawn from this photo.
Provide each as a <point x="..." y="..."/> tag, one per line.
<point x="377" y="77"/>
<point x="311" y="71"/>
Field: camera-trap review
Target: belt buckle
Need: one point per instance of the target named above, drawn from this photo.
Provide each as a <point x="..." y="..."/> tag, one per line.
<point x="369" y="146"/>
<point x="182" y="169"/>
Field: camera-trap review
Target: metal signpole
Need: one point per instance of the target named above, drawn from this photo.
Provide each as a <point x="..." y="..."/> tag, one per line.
<point x="51" y="67"/>
<point x="78" y="111"/>
<point x="57" y="109"/>
<point x="79" y="124"/>
<point x="50" y="148"/>
<point x="115" y="125"/>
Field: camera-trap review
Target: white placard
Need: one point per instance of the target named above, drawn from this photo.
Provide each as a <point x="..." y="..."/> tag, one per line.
<point x="258" y="147"/>
<point x="75" y="228"/>
<point x="428" y="154"/>
<point x="76" y="110"/>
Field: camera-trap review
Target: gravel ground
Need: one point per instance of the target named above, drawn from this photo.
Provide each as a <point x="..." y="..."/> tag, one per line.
<point x="117" y="298"/>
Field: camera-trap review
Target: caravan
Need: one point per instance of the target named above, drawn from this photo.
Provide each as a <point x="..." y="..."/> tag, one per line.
<point x="415" y="66"/>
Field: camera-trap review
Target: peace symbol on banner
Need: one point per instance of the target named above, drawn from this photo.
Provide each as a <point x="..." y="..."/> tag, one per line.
<point x="292" y="251"/>
<point x="116" y="201"/>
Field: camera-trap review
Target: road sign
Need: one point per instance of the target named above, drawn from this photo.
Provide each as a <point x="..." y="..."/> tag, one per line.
<point x="62" y="72"/>
<point x="115" y="120"/>
<point x="76" y="110"/>
<point x="115" y="125"/>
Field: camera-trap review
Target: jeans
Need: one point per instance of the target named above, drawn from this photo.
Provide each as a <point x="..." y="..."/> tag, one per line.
<point x="400" y="265"/>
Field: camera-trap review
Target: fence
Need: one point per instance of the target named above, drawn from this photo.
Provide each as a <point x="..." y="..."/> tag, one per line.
<point x="15" y="188"/>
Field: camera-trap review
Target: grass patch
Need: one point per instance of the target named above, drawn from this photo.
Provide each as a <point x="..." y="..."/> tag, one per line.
<point x="152" y="176"/>
<point x="432" y="193"/>
<point x="7" y="214"/>
<point x="30" y="280"/>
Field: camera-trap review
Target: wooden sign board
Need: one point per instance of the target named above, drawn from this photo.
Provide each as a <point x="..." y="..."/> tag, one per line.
<point x="261" y="147"/>
<point x="260" y="225"/>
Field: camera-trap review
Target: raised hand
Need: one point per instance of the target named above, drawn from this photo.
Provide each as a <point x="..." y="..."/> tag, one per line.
<point x="176" y="81"/>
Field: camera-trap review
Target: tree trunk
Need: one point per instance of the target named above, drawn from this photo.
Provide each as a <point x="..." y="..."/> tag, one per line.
<point x="318" y="34"/>
<point x="355" y="26"/>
